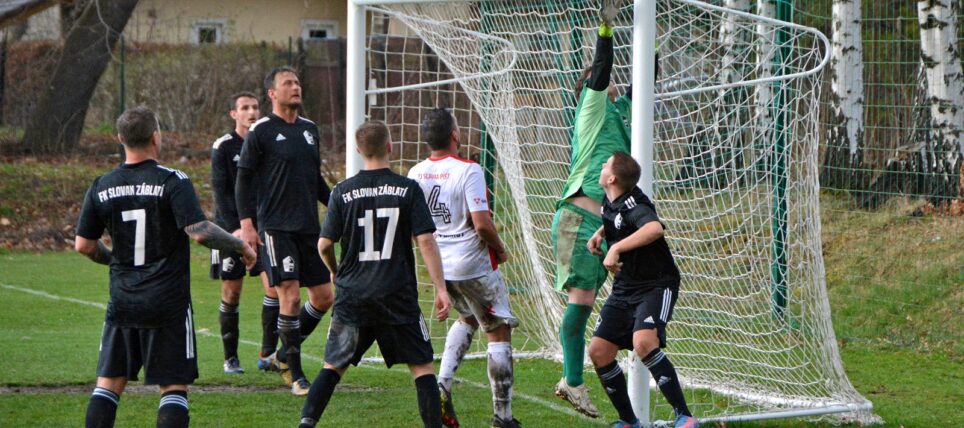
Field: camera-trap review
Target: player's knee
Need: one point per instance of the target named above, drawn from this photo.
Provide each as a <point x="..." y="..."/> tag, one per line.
<point x="231" y="297"/>
<point x="502" y="333"/>
<point x="600" y="353"/>
<point x="645" y="341"/>
<point x="321" y="297"/>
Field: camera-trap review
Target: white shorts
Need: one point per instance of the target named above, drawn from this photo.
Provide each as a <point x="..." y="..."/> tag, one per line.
<point x="486" y="298"/>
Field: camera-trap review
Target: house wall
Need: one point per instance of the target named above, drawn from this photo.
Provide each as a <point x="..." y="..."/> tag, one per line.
<point x="171" y="21"/>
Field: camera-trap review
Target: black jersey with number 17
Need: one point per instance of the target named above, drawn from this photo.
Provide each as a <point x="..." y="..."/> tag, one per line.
<point x="145" y="207"/>
<point x="374" y="215"/>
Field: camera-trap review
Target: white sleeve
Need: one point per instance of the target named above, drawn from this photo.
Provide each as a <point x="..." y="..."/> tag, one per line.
<point x="476" y="195"/>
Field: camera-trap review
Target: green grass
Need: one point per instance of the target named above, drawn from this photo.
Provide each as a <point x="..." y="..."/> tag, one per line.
<point x="895" y="292"/>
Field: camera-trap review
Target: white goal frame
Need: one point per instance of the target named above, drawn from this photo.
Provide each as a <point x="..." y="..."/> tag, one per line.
<point x="643" y="108"/>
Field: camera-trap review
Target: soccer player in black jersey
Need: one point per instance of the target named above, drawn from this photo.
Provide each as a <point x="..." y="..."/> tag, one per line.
<point x="643" y="295"/>
<point x="225" y="154"/>
<point x="150" y="211"/>
<point x="280" y="185"/>
<point x="375" y="215"/>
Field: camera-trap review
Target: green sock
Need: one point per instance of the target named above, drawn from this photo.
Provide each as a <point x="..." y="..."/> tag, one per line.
<point x="572" y="334"/>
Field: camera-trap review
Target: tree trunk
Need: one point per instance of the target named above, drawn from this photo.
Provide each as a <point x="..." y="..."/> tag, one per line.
<point x="843" y="157"/>
<point x="58" y="120"/>
<point x="942" y="62"/>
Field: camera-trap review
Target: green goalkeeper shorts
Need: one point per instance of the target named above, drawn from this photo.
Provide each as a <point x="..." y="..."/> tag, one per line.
<point x="576" y="267"/>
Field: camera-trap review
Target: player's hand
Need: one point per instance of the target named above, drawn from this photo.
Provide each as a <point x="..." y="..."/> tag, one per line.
<point x="250" y="237"/>
<point x="236" y="233"/>
<point x="442" y="305"/>
<point x="248" y="255"/>
<point x="608" y="12"/>
<point x="611" y="262"/>
<point x="594" y="245"/>
<point x="501" y="257"/>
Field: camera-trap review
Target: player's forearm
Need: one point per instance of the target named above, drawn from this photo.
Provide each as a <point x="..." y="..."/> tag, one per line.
<point x="95" y="250"/>
<point x="602" y="63"/>
<point x="433" y="260"/>
<point x="210" y="235"/>
<point x="326" y="249"/>
<point x="646" y="235"/>
<point x="485" y="228"/>
<point x="244" y="195"/>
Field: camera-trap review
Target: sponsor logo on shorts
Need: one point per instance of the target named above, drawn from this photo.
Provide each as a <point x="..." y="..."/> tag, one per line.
<point x="289" y="264"/>
<point x="227" y="264"/>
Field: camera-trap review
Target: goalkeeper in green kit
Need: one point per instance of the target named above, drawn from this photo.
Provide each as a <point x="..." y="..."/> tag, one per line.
<point x="601" y="128"/>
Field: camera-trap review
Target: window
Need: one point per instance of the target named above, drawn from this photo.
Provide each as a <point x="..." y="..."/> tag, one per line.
<point x="209" y="31"/>
<point x="312" y="29"/>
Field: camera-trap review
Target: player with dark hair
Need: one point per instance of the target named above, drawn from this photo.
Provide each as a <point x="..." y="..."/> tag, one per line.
<point x="280" y="184"/>
<point x="150" y="211"/>
<point x="375" y="215"/>
<point x="471" y="252"/>
<point x="225" y="154"/>
<point x="599" y="130"/>
<point x="644" y="292"/>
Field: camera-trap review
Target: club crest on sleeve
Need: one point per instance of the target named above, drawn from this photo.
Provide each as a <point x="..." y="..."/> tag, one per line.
<point x="309" y="139"/>
<point x="618" y="221"/>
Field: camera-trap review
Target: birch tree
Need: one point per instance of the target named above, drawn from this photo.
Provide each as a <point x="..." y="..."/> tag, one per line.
<point x="942" y="66"/>
<point x="845" y="140"/>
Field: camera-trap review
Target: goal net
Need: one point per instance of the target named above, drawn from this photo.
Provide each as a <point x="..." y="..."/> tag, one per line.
<point x="735" y="176"/>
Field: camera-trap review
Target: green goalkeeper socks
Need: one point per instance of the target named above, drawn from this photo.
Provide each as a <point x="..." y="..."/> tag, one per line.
<point x="572" y="335"/>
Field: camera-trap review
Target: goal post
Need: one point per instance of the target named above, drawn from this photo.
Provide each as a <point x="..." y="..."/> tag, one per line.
<point x="727" y="140"/>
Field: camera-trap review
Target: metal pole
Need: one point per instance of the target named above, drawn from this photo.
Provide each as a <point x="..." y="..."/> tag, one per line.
<point x="644" y="86"/>
<point x="778" y="226"/>
<point x="122" y="78"/>
<point x="355" y="85"/>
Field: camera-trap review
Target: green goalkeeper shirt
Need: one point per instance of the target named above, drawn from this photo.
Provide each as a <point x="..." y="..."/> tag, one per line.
<point x="602" y="128"/>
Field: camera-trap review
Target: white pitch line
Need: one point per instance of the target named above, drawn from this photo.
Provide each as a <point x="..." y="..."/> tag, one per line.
<point x="207" y="333"/>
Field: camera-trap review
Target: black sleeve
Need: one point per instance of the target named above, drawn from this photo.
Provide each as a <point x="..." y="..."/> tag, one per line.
<point x="245" y="196"/>
<point x="223" y="191"/>
<point x="324" y="192"/>
<point x="643" y="214"/>
<point x="332" y="228"/>
<point x="421" y="216"/>
<point x="602" y="64"/>
<point x="184" y="204"/>
<point x="90" y="225"/>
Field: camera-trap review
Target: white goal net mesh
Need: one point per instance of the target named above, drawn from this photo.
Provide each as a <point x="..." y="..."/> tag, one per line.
<point x="735" y="175"/>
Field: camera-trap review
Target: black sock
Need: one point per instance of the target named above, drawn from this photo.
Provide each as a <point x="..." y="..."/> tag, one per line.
<point x="172" y="413"/>
<point x="309" y="316"/>
<point x="429" y="402"/>
<point x="318" y="396"/>
<point x="614" y="382"/>
<point x="269" y="325"/>
<point x="102" y="408"/>
<point x="228" y="318"/>
<point x="665" y="374"/>
<point x="290" y="332"/>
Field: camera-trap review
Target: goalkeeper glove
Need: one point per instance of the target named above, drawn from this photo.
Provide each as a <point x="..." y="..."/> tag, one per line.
<point x="607" y="16"/>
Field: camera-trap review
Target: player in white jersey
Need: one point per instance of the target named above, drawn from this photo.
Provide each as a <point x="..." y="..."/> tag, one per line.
<point x="471" y="252"/>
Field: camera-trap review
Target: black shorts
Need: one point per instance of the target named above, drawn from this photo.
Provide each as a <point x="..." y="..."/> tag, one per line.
<point x="403" y="343"/>
<point x="292" y="256"/>
<point x="167" y="353"/>
<point x="227" y="266"/>
<point x="620" y="318"/>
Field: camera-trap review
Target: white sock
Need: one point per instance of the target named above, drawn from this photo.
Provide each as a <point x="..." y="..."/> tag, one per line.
<point x="500" y="378"/>
<point x="456" y="345"/>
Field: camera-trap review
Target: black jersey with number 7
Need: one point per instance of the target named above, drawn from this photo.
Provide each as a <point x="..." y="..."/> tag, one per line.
<point x="145" y="207"/>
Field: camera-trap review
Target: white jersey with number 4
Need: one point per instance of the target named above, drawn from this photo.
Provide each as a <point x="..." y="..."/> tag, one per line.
<point x="454" y="188"/>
